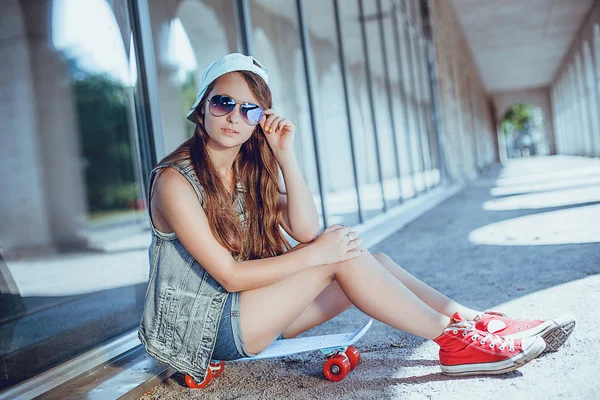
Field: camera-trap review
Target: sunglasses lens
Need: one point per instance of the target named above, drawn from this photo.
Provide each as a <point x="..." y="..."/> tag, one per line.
<point x="252" y="113"/>
<point x="221" y="105"/>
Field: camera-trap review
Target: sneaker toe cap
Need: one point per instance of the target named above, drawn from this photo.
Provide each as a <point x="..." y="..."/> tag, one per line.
<point x="533" y="344"/>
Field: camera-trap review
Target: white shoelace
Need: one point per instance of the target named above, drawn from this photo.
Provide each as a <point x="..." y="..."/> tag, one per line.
<point x="468" y="327"/>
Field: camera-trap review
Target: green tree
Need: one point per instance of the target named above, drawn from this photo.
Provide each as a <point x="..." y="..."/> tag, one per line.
<point x="102" y="111"/>
<point x="517" y="117"/>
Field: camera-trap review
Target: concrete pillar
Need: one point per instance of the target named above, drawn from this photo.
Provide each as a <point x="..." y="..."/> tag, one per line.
<point x="23" y="203"/>
<point x="57" y="128"/>
<point x="46" y="203"/>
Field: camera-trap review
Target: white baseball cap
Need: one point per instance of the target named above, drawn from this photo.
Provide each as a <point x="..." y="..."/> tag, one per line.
<point x="229" y="63"/>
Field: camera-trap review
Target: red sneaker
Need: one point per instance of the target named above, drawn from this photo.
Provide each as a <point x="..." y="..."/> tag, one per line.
<point x="465" y="350"/>
<point x="554" y="331"/>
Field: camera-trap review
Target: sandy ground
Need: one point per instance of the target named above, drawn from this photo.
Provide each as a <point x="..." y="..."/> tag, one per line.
<point x="512" y="275"/>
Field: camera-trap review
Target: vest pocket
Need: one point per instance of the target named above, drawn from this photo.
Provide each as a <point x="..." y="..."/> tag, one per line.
<point x="165" y="300"/>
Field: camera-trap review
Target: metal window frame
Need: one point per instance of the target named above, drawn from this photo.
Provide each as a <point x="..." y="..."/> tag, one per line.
<point x="433" y="80"/>
<point x="361" y="18"/>
<point x="436" y="113"/>
<point x="433" y="86"/>
<point x="423" y="106"/>
<point x="386" y="74"/>
<point x="304" y="42"/>
<point x="341" y="55"/>
<point x="411" y="31"/>
<point x="245" y="22"/>
<point x="396" y="9"/>
<point x="149" y="120"/>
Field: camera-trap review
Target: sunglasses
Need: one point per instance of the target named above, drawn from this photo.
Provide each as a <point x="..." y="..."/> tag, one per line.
<point x="220" y="105"/>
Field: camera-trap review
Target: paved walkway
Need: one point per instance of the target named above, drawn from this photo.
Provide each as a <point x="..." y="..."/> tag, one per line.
<point x="523" y="239"/>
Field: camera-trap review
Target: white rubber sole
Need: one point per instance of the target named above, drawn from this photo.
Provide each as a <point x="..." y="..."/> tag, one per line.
<point x="499" y="367"/>
<point x="555" y="332"/>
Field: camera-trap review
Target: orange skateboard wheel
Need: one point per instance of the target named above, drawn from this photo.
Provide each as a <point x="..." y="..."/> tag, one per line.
<point x="191" y="383"/>
<point x="217" y="368"/>
<point x="337" y="367"/>
<point x="353" y="355"/>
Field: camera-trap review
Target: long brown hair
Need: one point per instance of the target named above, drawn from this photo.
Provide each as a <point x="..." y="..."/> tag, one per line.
<point x="258" y="170"/>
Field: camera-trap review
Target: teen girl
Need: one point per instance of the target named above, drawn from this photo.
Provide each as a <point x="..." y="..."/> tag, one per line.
<point x="224" y="282"/>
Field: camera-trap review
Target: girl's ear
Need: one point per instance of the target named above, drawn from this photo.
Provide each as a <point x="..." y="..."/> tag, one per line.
<point x="200" y="114"/>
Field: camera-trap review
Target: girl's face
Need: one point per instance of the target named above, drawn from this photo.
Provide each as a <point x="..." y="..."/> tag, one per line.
<point x="220" y="128"/>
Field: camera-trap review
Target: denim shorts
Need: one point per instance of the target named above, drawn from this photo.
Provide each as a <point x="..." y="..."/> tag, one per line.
<point x="229" y="343"/>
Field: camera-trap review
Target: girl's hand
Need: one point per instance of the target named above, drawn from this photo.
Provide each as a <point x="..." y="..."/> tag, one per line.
<point x="337" y="243"/>
<point x="279" y="131"/>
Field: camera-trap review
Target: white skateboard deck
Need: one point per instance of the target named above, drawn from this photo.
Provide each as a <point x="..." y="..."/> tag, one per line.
<point x="286" y="347"/>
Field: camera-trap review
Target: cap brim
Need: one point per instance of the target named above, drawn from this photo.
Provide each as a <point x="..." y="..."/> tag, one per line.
<point x="190" y="114"/>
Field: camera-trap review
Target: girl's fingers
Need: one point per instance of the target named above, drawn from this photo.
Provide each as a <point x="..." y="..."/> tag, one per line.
<point x="281" y="124"/>
<point x="336" y="227"/>
<point x="269" y="122"/>
<point x="359" y="251"/>
<point x="356" y="243"/>
<point x="345" y="230"/>
<point x="274" y="124"/>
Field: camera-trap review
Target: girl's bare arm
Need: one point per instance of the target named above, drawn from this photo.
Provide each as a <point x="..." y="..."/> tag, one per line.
<point x="179" y="204"/>
<point x="300" y="218"/>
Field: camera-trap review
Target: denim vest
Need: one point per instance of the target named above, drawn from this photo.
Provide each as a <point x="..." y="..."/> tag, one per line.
<point x="183" y="302"/>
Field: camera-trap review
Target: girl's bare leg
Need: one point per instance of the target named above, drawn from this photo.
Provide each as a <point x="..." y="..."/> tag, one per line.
<point x="267" y="311"/>
<point x="433" y="298"/>
<point x="329" y="303"/>
<point x="332" y="301"/>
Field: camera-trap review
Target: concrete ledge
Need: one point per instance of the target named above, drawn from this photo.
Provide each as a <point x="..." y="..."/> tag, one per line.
<point x="377" y="229"/>
<point x="71" y="370"/>
<point x="126" y="377"/>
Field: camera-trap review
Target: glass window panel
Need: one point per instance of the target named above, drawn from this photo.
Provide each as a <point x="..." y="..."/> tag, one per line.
<point x="583" y="106"/>
<point x="331" y="116"/>
<point x="563" y="114"/>
<point x="398" y="97"/>
<point x="424" y="108"/>
<point x="362" y="123"/>
<point x="401" y="54"/>
<point x="418" y="104"/>
<point x="415" y="13"/>
<point x="276" y="44"/>
<point x="187" y="37"/>
<point x="379" y="86"/>
<point x="567" y="92"/>
<point x="596" y="66"/>
<point x="576" y="113"/>
<point x="593" y="106"/>
<point x="409" y="79"/>
<point x="433" y="142"/>
<point x="74" y="230"/>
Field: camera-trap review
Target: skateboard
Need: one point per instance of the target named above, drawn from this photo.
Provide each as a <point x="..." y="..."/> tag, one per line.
<point x="341" y="356"/>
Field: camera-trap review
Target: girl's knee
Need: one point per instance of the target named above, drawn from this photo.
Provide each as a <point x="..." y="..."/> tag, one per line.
<point x="354" y="262"/>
